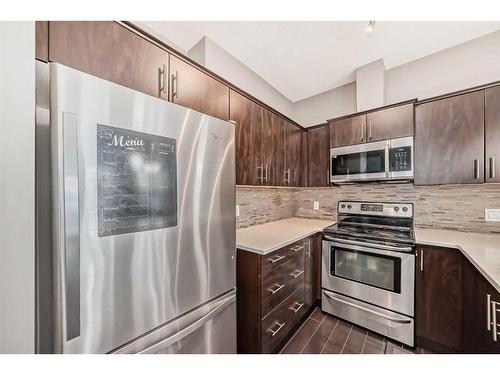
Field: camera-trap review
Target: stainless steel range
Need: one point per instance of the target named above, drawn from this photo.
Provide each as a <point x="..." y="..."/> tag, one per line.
<point x="368" y="269"/>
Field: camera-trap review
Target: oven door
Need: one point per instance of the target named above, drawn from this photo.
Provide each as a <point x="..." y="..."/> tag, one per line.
<point x="379" y="276"/>
<point x="367" y="161"/>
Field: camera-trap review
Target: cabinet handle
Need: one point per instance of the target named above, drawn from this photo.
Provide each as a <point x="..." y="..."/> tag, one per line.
<point x="260" y="176"/>
<point x="296" y="273"/>
<point x="265" y="178"/>
<point x="175" y="85"/>
<point x="370" y="130"/>
<point x="492" y="167"/>
<point x="296" y="308"/>
<point x="422" y="260"/>
<point x="276" y="258"/>
<point x="494" y="319"/>
<point x="297" y="248"/>
<point x="327" y="177"/>
<point x="476" y="169"/>
<point x="287" y="176"/>
<point x="162" y="74"/>
<point x="488" y="312"/>
<point x="363" y="131"/>
<point x="308" y="251"/>
<point x="279" y="287"/>
<point x="274" y="332"/>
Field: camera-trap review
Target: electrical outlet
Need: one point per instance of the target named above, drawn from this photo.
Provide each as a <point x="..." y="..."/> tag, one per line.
<point x="316" y="205"/>
<point x="237" y="210"/>
<point x="492" y="214"/>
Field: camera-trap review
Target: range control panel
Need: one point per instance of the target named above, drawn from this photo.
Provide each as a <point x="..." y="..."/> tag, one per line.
<point x="376" y="209"/>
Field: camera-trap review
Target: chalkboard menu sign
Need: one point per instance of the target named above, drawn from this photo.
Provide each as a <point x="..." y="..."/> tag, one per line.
<point x="136" y="181"/>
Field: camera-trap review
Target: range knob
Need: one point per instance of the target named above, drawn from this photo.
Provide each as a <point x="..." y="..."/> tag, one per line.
<point x="405" y="209"/>
<point x="349" y="206"/>
<point x="396" y="208"/>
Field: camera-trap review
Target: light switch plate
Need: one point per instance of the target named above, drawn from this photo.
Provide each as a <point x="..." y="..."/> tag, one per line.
<point x="237" y="210"/>
<point x="316" y="205"/>
<point x="491" y="214"/>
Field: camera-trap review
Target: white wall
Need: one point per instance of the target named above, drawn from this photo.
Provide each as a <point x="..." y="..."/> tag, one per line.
<point x="330" y="104"/>
<point x="469" y="64"/>
<point x="224" y="64"/>
<point x="370" y="80"/>
<point x="17" y="187"/>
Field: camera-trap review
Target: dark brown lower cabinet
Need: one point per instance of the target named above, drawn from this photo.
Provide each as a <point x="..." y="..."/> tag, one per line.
<point x="451" y="303"/>
<point x="274" y="293"/>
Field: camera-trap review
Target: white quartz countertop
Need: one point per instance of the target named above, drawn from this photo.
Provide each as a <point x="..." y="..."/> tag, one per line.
<point x="482" y="250"/>
<point x="265" y="238"/>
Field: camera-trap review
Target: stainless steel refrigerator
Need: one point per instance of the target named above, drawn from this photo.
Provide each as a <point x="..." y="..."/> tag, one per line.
<point x="138" y="195"/>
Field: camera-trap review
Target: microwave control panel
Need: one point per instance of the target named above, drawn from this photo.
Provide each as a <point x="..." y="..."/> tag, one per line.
<point x="400" y="159"/>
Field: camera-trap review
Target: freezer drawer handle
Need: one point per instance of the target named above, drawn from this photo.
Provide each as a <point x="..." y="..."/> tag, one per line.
<point x="392" y="319"/>
<point x="189" y="329"/>
<point x="296" y="273"/>
<point x="276" y="258"/>
<point x="274" y="332"/>
<point x="296" y="307"/>
<point x="279" y="287"/>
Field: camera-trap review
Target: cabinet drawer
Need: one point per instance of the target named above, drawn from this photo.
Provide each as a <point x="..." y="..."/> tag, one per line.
<point x="277" y="258"/>
<point x="282" y="320"/>
<point x="279" y="284"/>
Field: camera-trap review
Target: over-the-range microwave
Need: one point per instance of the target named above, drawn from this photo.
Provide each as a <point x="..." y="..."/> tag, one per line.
<point x="374" y="161"/>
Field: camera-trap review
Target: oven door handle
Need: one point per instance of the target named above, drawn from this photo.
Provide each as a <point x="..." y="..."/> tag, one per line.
<point x="368" y="245"/>
<point x="392" y="319"/>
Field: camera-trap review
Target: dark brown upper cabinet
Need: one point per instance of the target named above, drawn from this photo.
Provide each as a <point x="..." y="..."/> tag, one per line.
<point x="273" y="147"/>
<point x="439" y="298"/>
<point x="492" y="133"/>
<point x="318" y="156"/>
<point x="192" y="88"/>
<point x="386" y="123"/>
<point x="42" y="40"/>
<point x="348" y="131"/>
<point x="294" y="158"/>
<point x="449" y="140"/>
<point x="248" y="139"/>
<point x="394" y="122"/>
<point x="110" y="51"/>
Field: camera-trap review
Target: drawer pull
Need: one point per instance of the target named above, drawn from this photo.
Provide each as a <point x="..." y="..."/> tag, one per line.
<point x="279" y="287"/>
<point x="274" y="332"/>
<point x="296" y="308"/>
<point x="276" y="258"/>
<point x="297" y="248"/>
<point x="296" y="273"/>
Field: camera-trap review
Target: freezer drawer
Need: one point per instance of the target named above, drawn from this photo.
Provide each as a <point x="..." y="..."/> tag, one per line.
<point x="387" y="323"/>
<point x="209" y="329"/>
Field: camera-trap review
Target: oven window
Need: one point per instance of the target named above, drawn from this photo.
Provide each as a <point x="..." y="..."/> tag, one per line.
<point x="380" y="271"/>
<point x="359" y="163"/>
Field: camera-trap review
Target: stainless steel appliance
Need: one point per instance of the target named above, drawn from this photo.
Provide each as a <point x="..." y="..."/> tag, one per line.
<point x="142" y="202"/>
<point x="374" y="161"/>
<point x="368" y="268"/>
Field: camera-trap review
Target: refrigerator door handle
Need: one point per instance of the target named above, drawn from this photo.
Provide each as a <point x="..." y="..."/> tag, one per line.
<point x="71" y="245"/>
<point x="186" y="331"/>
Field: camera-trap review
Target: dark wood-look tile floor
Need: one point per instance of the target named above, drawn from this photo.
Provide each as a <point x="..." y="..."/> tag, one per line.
<point x="324" y="334"/>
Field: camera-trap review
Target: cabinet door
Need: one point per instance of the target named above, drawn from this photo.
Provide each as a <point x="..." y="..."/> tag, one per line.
<point x="42" y="40"/>
<point x="348" y="131"/>
<point x="312" y="269"/>
<point x="439" y="298"/>
<point x="395" y="122"/>
<point x="477" y="338"/>
<point x="318" y="155"/>
<point x="492" y="133"/>
<point x="192" y="88"/>
<point x="294" y="161"/>
<point x="248" y="139"/>
<point x="273" y="148"/>
<point x="449" y="140"/>
<point x="110" y="51"/>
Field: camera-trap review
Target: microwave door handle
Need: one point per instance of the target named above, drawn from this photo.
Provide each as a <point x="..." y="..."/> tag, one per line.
<point x="70" y="238"/>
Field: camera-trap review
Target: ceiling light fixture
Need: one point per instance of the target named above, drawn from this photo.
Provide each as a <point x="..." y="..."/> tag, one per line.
<point x="370" y="27"/>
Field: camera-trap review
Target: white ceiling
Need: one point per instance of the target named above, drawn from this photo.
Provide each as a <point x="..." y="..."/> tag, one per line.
<point x="301" y="59"/>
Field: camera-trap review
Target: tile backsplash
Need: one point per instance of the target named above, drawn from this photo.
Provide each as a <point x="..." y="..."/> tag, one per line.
<point x="446" y="206"/>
